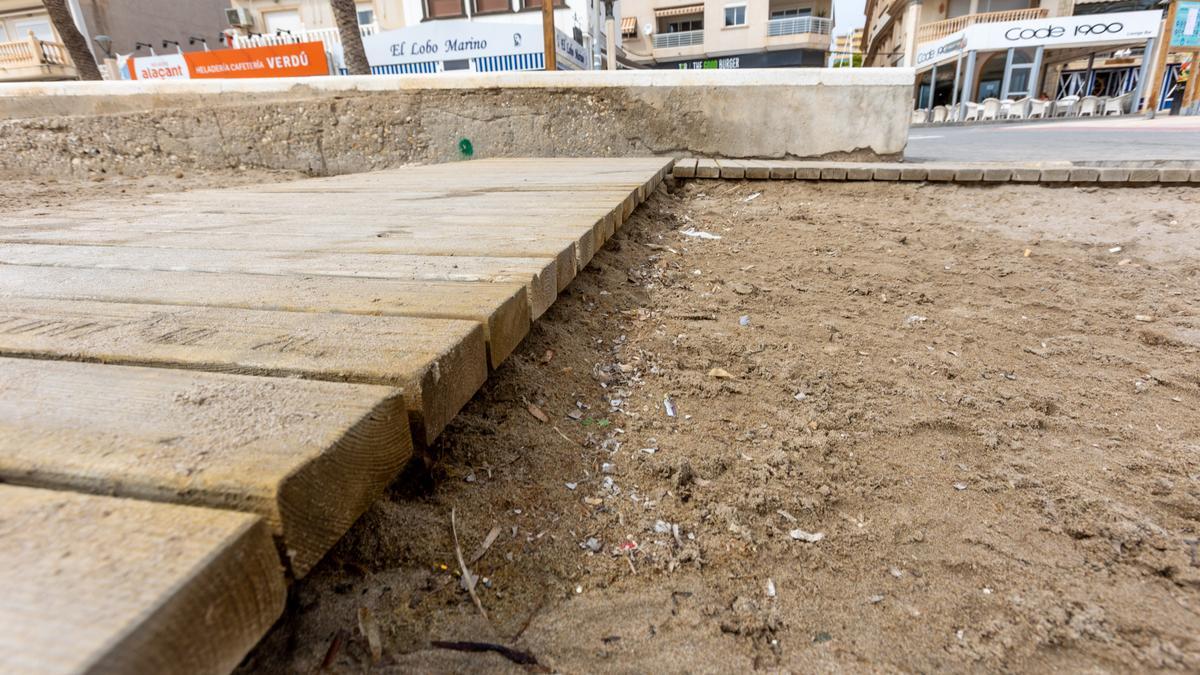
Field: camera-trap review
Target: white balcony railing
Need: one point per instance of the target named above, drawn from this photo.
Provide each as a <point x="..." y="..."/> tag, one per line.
<point x="685" y="38"/>
<point x="329" y="36"/>
<point x="798" y="25"/>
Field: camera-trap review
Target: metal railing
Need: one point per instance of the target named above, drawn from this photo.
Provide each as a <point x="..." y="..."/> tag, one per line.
<point x="685" y="38"/>
<point x="940" y="29"/>
<point x="328" y="36"/>
<point x="798" y="25"/>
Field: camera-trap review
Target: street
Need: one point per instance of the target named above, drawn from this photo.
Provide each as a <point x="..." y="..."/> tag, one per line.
<point x="1099" y="139"/>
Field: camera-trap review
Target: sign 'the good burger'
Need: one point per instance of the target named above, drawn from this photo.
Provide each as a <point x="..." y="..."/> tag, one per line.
<point x="290" y="60"/>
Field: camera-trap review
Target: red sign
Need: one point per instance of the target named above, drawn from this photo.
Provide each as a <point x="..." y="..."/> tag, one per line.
<point x="291" y="60"/>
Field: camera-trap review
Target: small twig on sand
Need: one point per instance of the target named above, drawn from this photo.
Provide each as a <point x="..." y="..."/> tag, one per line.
<point x="516" y="656"/>
<point x="468" y="578"/>
<point x="565" y="437"/>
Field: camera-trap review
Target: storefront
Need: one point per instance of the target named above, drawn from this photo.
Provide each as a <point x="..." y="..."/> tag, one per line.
<point x="784" y="58"/>
<point x="440" y="46"/>
<point x="1010" y="60"/>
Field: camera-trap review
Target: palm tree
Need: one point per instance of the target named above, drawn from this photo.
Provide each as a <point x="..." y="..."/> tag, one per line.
<point x="346" y="15"/>
<point x="73" y="40"/>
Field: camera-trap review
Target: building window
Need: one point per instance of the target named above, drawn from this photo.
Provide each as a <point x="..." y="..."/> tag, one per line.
<point x="492" y="6"/>
<point x="794" y="11"/>
<point x="735" y="15"/>
<point x="684" y="25"/>
<point x="537" y="4"/>
<point x="366" y="14"/>
<point x="282" y="21"/>
<point x="443" y="9"/>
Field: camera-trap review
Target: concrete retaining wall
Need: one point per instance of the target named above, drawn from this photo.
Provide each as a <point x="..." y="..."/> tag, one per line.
<point x="331" y="125"/>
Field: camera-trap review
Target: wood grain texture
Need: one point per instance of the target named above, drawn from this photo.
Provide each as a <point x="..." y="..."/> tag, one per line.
<point x="439" y="363"/>
<point x="539" y="275"/>
<point x="105" y="585"/>
<point x="501" y="308"/>
<point x="308" y="456"/>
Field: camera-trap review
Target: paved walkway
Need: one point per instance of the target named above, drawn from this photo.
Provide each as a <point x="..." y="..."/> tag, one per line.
<point x="1129" y="138"/>
<point x="256" y="364"/>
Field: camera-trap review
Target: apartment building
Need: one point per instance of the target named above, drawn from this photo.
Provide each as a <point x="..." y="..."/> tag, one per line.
<point x="30" y="48"/>
<point x="727" y="34"/>
<point x="847" y="50"/>
<point x="512" y="29"/>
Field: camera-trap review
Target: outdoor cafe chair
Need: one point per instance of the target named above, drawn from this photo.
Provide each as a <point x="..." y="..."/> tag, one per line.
<point x="939" y="114"/>
<point x="1019" y="109"/>
<point x="920" y="116"/>
<point x="1067" y="106"/>
<point x="1038" y="107"/>
<point x="1118" y="105"/>
<point x="1090" y="106"/>
<point x="991" y="109"/>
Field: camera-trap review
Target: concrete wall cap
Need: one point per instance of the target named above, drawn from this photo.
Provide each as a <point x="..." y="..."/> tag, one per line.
<point x="763" y="77"/>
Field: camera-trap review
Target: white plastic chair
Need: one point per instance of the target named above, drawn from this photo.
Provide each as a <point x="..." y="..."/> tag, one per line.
<point x="991" y="109"/>
<point x="1067" y="106"/>
<point x="1090" y="106"/>
<point x="973" y="110"/>
<point x="939" y="113"/>
<point x="920" y="116"/>
<point x="1118" y="105"/>
<point x="1039" y="108"/>
<point x="1018" y="110"/>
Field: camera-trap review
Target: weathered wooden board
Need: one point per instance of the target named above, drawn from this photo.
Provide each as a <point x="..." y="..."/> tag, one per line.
<point x="501" y="308"/>
<point x="106" y="585"/>
<point x="539" y="275"/>
<point x="308" y="456"/>
<point x="439" y="363"/>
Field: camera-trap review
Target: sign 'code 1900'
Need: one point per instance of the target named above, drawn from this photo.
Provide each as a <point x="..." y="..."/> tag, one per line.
<point x="1018" y="33"/>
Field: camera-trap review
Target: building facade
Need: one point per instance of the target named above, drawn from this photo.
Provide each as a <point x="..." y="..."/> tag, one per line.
<point x="1042" y="49"/>
<point x="579" y="24"/>
<point x="30" y="48"/>
<point x="727" y="34"/>
<point x="847" y="50"/>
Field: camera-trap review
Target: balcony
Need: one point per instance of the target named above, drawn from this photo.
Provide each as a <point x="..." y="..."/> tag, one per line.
<point x="799" y="25"/>
<point x="33" y="59"/>
<point x="687" y="38"/>
<point x="940" y="29"/>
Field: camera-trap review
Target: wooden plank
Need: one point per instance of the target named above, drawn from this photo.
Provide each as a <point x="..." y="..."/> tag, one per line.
<point x="105" y="585"/>
<point x="308" y="456"/>
<point x="439" y="363"/>
<point x="539" y="275"/>
<point x="501" y="308"/>
<point x="516" y="242"/>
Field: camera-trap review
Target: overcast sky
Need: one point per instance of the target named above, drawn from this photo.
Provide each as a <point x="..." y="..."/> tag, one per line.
<point x="848" y="15"/>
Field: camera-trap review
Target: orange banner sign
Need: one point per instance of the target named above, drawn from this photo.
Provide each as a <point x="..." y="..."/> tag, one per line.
<point x="293" y="60"/>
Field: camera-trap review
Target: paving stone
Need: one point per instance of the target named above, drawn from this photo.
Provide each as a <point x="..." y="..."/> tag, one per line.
<point x="831" y="173"/>
<point x="914" y="173"/>
<point x="1084" y="175"/>
<point x="707" y="168"/>
<point x="1173" y="175"/>
<point x="731" y="169"/>
<point x="780" y="172"/>
<point x="887" y="173"/>
<point x="1056" y="175"/>
<point x="757" y="170"/>
<point x="968" y="175"/>
<point x="1026" y="175"/>
<point x="997" y="175"/>
<point x="1143" y="175"/>
<point x="1113" y="174"/>
<point x="685" y="168"/>
<point x="808" y="173"/>
<point x="859" y="173"/>
<point x="940" y="174"/>
<point x="1195" y="178"/>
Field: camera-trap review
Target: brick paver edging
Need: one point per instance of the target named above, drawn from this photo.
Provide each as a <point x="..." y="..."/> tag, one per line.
<point x="944" y="173"/>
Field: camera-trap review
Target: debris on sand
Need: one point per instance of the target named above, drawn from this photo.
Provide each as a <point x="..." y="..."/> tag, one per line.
<point x="810" y="537"/>
<point x="720" y="373"/>
<point x="668" y="406"/>
<point x="370" y="630"/>
<point x="537" y="413"/>
<point x="698" y="234"/>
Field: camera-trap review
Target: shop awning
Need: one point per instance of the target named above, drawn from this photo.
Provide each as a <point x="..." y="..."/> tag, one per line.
<point x="679" y="11"/>
<point x="628" y="25"/>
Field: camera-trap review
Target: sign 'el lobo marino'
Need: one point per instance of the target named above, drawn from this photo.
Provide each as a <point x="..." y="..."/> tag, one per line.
<point x="448" y="41"/>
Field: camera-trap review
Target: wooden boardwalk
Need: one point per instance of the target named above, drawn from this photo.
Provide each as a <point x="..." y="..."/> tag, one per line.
<point x="201" y="392"/>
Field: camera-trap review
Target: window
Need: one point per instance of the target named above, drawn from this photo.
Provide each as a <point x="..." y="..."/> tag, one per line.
<point x="366" y="14"/>
<point x="684" y="25"/>
<point x="492" y="6"/>
<point x="735" y="15"/>
<point x="537" y="4"/>
<point x="794" y="11"/>
<point x="442" y="9"/>
<point x="3" y="33"/>
<point x="40" y="27"/>
<point x="283" y="20"/>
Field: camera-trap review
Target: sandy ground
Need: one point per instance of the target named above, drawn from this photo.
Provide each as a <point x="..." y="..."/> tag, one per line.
<point x="950" y="387"/>
<point x="915" y="428"/>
